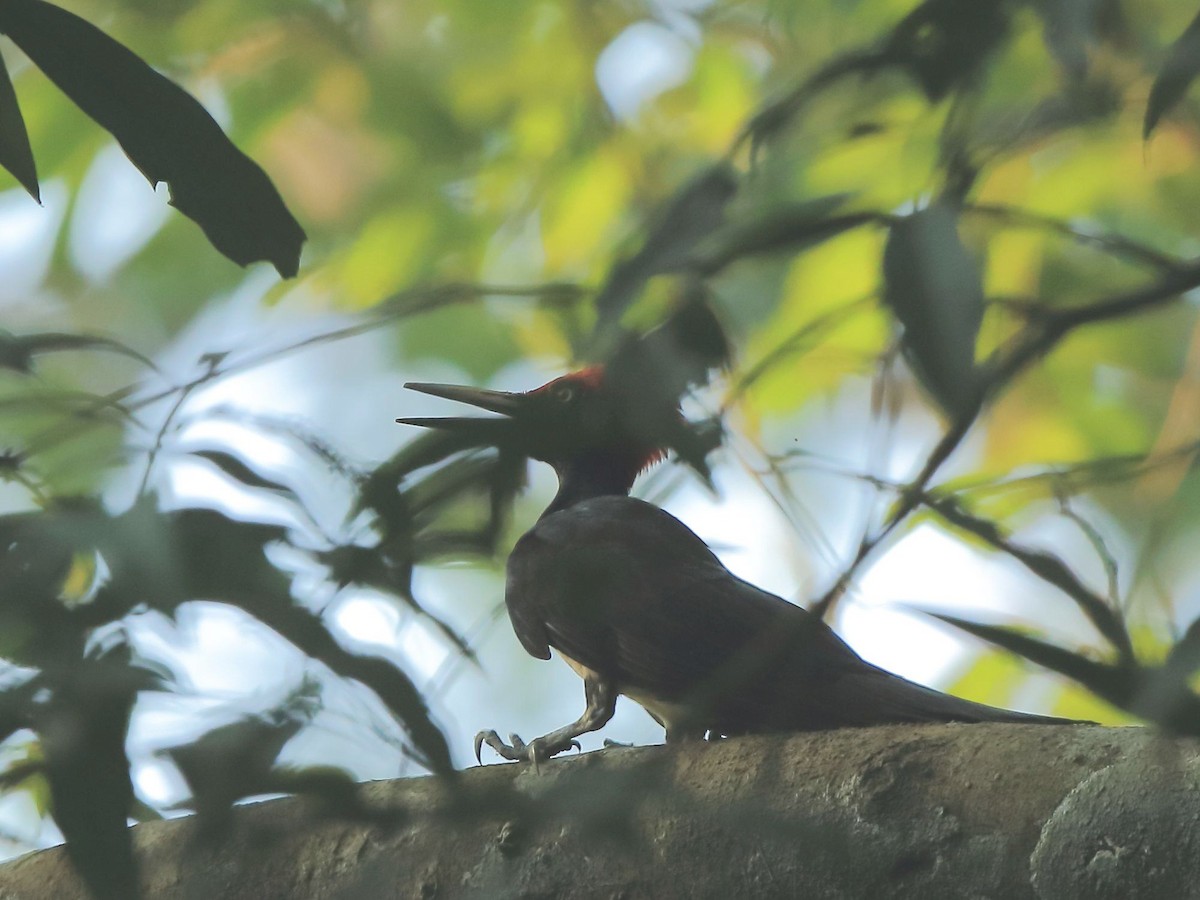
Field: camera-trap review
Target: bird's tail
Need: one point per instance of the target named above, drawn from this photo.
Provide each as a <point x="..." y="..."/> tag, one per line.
<point x="890" y="698"/>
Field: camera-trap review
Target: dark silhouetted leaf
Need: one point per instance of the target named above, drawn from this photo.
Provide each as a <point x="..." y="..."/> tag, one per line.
<point x="427" y="497"/>
<point x="934" y="288"/>
<point x="290" y="429"/>
<point x="15" y="153"/>
<point x="1111" y="683"/>
<point x="166" y="559"/>
<point x="1162" y="695"/>
<point x="500" y="474"/>
<point x="404" y="512"/>
<point x="393" y="686"/>
<point x="336" y="792"/>
<point x="17" y="352"/>
<point x="19" y="774"/>
<point x="425" y="449"/>
<point x="1167" y="696"/>
<point x="652" y="372"/>
<point x="240" y="472"/>
<point x="1184" y="657"/>
<point x="510" y="477"/>
<point x="1045" y="565"/>
<point x="372" y="567"/>
<point x="82" y="731"/>
<point x="16" y="707"/>
<point x="1175" y="77"/>
<point x="166" y="133"/>
<point x="35" y="628"/>
<point x="945" y="43"/>
<point x="695" y="212"/>
<point x="776" y="114"/>
<point x="11" y="462"/>
<point x="234" y="761"/>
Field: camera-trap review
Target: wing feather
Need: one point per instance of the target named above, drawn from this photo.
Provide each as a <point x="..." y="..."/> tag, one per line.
<point x="628" y="591"/>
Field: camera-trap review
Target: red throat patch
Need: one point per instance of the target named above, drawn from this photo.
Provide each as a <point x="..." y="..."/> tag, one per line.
<point x="654" y="456"/>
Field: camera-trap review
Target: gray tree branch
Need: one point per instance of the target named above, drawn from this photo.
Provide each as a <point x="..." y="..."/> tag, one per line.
<point x="936" y="811"/>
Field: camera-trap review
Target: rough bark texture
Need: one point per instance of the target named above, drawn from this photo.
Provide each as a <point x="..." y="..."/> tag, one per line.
<point x="971" y="811"/>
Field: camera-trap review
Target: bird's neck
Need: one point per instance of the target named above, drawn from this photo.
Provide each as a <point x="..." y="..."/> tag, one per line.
<point x="599" y="474"/>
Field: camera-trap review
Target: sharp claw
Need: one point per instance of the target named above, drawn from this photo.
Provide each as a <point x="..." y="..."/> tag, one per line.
<point x="536" y="751"/>
<point x="493" y="740"/>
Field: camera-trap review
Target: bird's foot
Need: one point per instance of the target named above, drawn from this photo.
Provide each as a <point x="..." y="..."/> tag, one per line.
<point x="536" y="751"/>
<point x="514" y="751"/>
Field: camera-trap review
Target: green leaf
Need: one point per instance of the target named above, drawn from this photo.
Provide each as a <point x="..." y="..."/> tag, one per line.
<point x="1071" y="28"/>
<point x="164" y="131"/>
<point x="15" y="153"/>
<point x="1175" y="77"/>
<point x="933" y="286"/>
<point x="993" y="679"/>
<point x="1066" y="30"/>
<point x="695" y="212"/>
<point x="17" y="352"/>
<point x="792" y="229"/>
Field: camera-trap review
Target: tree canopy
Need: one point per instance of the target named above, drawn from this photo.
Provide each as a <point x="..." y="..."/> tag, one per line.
<point x="912" y="267"/>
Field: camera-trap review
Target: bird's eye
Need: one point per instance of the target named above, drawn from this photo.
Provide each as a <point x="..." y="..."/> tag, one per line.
<point x="564" y="393"/>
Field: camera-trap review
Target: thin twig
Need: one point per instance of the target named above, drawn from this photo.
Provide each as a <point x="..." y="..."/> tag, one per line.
<point x="406" y="303"/>
<point x="797" y="343"/>
<point x="1046" y="566"/>
<point x="1116" y="244"/>
<point x="156" y="447"/>
<point x="1099" y="545"/>
<point x="1037" y="339"/>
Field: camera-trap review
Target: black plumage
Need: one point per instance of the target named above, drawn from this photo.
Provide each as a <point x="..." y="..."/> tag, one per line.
<point x="628" y="591"/>
<point x="639" y="605"/>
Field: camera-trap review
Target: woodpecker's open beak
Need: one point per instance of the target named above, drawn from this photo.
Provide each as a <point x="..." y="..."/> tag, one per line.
<point x="486" y="430"/>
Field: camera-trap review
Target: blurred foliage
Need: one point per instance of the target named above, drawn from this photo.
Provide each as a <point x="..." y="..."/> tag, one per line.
<point x="959" y="184"/>
<point x="163" y="130"/>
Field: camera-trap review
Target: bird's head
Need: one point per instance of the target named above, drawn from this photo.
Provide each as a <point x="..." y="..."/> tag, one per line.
<point x="578" y="419"/>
